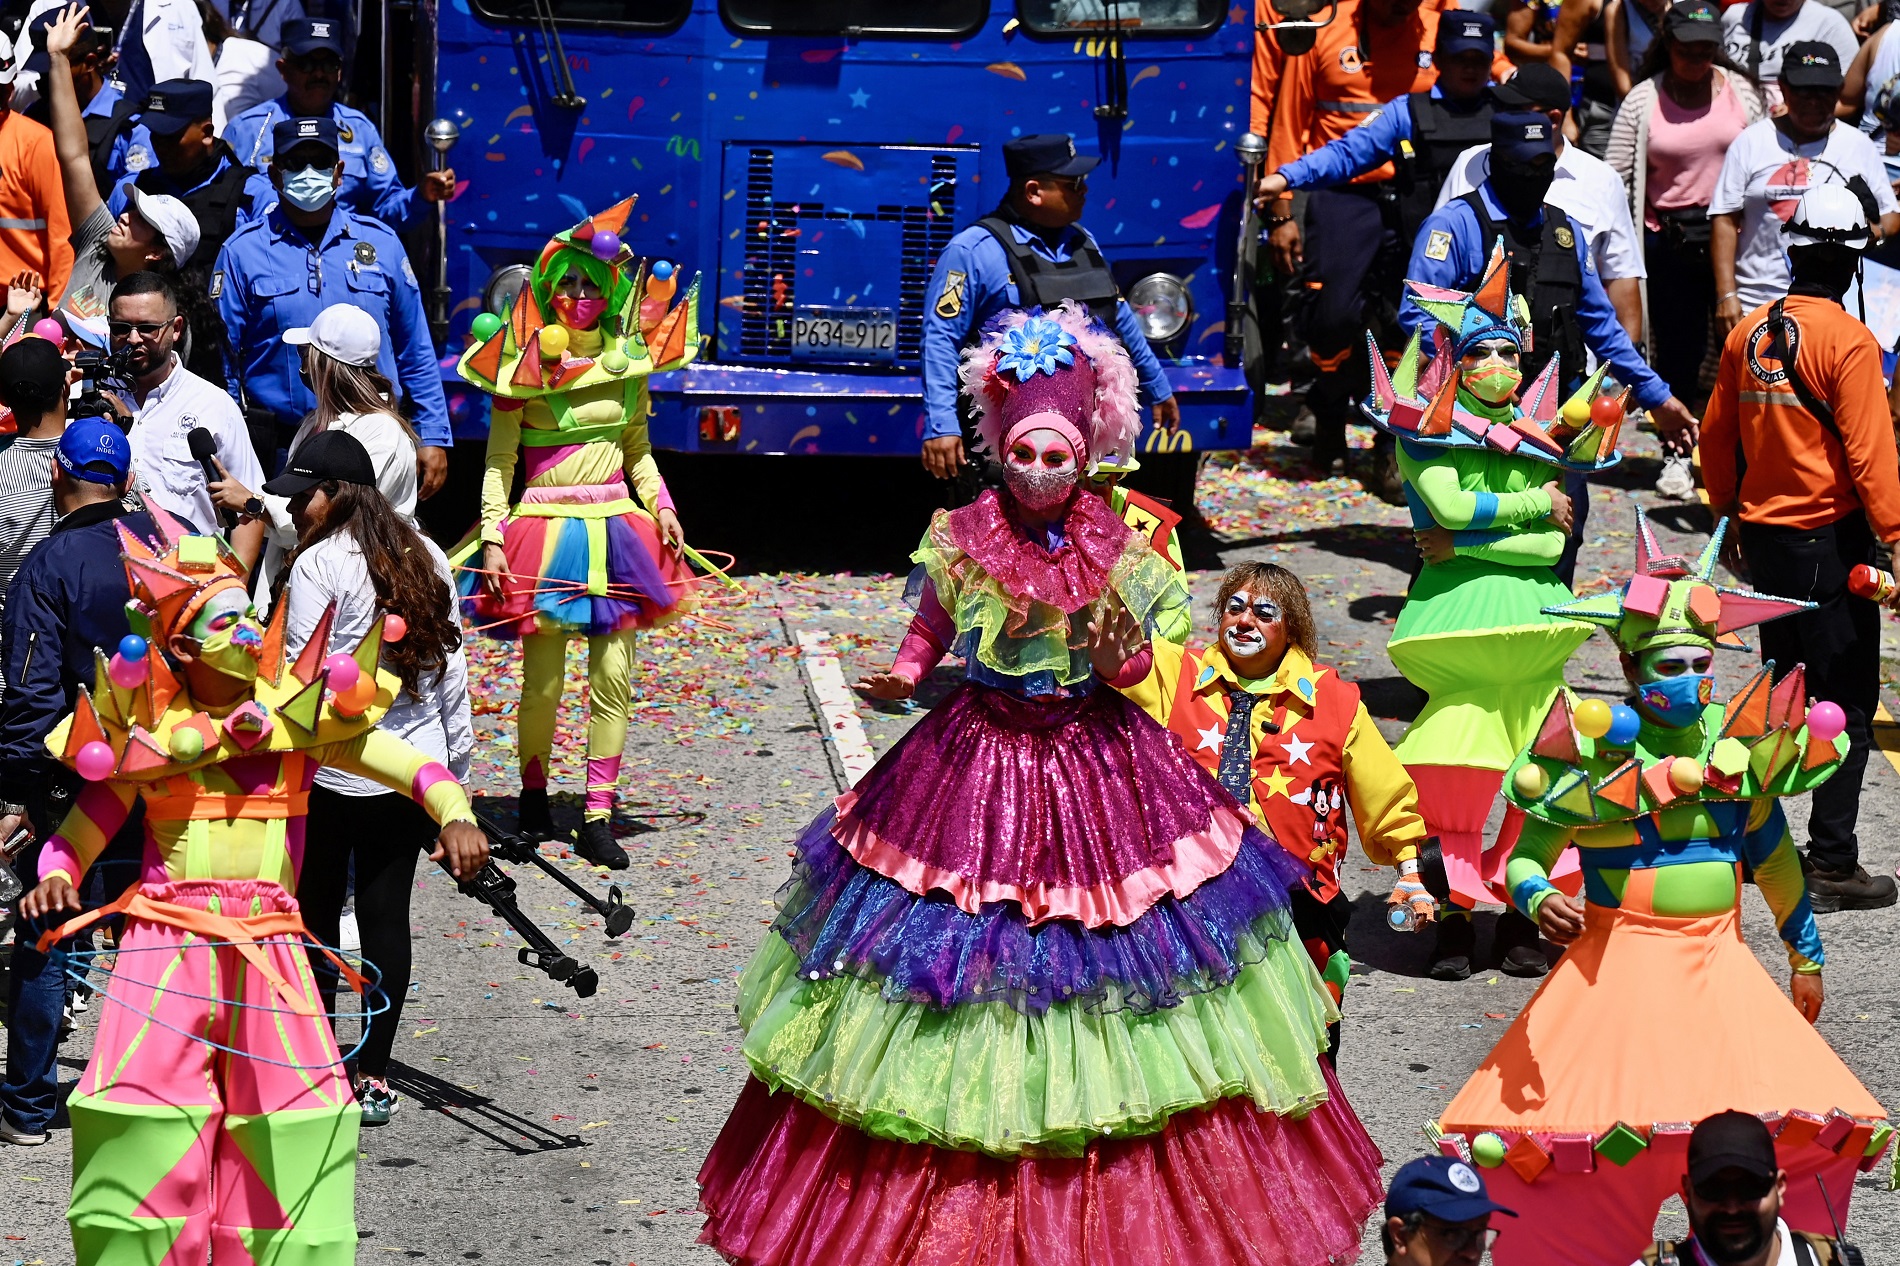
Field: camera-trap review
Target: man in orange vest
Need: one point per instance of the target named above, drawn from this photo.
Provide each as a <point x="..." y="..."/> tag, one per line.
<point x="34" y="231"/>
<point x="1291" y="740"/>
<point x="1798" y="444"/>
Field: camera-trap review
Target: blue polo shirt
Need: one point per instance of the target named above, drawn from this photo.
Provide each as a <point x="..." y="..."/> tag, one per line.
<point x="270" y="278"/>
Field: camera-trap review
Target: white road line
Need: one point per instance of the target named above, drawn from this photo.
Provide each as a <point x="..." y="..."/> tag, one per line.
<point x="837" y="706"/>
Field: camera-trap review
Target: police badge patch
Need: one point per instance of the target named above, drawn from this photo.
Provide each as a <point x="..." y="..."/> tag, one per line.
<point x="378" y="160"/>
<point x="1438" y="245"/>
<point x="408" y="273"/>
<point x="365" y="254"/>
<point x="1566" y="239"/>
<point x="950" y="302"/>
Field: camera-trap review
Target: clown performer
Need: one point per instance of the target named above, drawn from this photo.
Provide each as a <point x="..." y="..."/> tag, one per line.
<point x="1291" y="740"/>
<point x="1659" y="1014"/>
<point x="578" y="555"/>
<point x="215" y="1117"/>
<point x="1483" y="478"/>
<point x="1034" y="984"/>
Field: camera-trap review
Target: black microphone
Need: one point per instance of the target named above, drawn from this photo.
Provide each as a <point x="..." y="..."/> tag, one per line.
<point x="204" y="446"/>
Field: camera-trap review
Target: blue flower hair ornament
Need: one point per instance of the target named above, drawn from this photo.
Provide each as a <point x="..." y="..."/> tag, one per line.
<point x="1037" y="346"/>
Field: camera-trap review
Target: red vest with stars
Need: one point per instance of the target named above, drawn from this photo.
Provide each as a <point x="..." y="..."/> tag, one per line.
<point x="1300" y="790"/>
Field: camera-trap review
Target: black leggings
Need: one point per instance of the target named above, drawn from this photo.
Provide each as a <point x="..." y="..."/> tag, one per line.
<point x="384" y="835"/>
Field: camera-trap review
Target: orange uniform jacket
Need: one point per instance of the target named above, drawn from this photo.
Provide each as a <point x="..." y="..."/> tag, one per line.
<point x="1795" y="474"/>
<point x="34" y="231"/>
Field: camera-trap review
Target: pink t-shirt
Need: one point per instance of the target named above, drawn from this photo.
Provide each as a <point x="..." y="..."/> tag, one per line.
<point x="1686" y="148"/>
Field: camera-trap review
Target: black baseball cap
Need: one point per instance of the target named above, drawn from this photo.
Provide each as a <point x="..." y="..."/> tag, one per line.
<point x="1731" y="1140"/>
<point x="1693" y="22"/>
<point x="325" y="455"/>
<point x="37" y="61"/>
<point x="174" y="105"/>
<point x="1463" y="31"/>
<point x="307" y="35"/>
<point x="1046" y="153"/>
<point x="32" y="375"/>
<point x="1811" y="64"/>
<point x="1535" y="86"/>
<point x="291" y="133"/>
<point x="1443" y="1186"/>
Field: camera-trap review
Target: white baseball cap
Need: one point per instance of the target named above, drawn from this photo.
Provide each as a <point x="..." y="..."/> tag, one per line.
<point x="173" y="221"/>
<point x="342" y="332"/>
<point x="9" y="61"/>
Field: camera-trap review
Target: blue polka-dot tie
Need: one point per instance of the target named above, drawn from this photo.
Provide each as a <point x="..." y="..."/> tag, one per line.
<point x="1236" y="749"/>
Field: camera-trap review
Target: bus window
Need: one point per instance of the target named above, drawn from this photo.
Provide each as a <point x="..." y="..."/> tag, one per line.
<point x="647" y="15"/>
<point x="946" y="18"/>
<point x="1135" y="17"/>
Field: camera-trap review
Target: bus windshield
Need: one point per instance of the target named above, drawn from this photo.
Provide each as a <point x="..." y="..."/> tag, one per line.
<point x="949" y="18"/>
<point x="1134" y="17"/>
<point x="659" y="15"/>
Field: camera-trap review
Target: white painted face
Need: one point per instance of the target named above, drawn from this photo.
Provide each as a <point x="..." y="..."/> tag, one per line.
<point x="1040" y="468"/>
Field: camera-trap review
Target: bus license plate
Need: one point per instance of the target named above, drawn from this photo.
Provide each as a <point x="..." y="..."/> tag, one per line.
<point x="860" y="334"/>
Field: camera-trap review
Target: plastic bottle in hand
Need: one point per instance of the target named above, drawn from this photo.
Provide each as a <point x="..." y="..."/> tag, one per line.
<point x="1871" y="582"/>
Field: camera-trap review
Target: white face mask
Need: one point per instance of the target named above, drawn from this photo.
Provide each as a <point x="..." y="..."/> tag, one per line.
<point x="1040" y="468"/>
<point x="311" y="189"/>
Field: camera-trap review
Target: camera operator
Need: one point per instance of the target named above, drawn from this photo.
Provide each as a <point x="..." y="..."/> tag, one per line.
<point x="169" y="403"/>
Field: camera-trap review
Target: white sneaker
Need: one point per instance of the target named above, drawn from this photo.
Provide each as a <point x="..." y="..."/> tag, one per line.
<point x="348" y="934"/>
<point x="1677" y="479"/>
<point x="10" y="1133"/>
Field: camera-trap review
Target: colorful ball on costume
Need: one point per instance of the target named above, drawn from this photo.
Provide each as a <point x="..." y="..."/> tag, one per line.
<point x="133" y="647"/>
<point x="1685" y="775"/>
<point x="662" y="269"/>
<point x="187" y="744"/>
<point x="50" y="330"/>
<point x="125" y="673"/>
<point x="355" y="701"/>
<point x="1530" y="781"/>
<point x="1606" y="411"/>
<point x="605" y="246"/>
<point x="553" y="341"/>
<point x="1625" y="725"/>
<point x="1488" y="1150"/>
<point x="484" y="326"/>
<point x="1593" y="718"/>
<point x="1826" y="721"/>
<point x="614" y="361"/>
<point x="343" y="671"/>
<point x="395" y="628"/>
<point x="95" y="762"/>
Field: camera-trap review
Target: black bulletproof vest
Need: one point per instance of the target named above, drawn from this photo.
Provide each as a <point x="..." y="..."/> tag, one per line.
<point x="1439" y="135"/>
<point x="1545" y="270"/>
<point x="1084" y="277"/>
<point x="215" y="205"/>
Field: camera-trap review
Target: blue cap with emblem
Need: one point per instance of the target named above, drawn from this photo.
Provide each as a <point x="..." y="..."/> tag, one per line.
<point x="1045" y="154"/>
<point x="1461" y="31"/>
<point x="1442" y="1186"/>
<point x="174" y="105"/>
<point x="291" y="133"/>
<point x="96" y="451"/>
<point x="307" y="35"/>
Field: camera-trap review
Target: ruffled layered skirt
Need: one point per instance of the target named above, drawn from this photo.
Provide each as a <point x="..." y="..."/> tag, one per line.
<point x="1032" y="997"/>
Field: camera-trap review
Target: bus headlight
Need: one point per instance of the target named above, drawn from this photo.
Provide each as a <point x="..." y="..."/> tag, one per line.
<point x="503" y="285"/>
<point x="1162" y="305"/>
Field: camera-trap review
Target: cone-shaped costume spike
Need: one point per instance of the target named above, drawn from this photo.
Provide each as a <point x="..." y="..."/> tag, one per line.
<point x="1711" y="553"/>
<point x="1493" y="293"/>
<point x="1540" y="402"/>
<point x="1382" y="393"/>
<point x="1405" y="377"/>
<point x="370" y="650"/>
<point x="270" y="659"/>
<point x="316" y="650"/>
<point x="1437" y="419"/>
<point x="486" y="362"/>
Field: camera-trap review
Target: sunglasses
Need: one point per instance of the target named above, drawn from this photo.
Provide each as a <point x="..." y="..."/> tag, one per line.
<point x="1074" y="184"/>
<point x="1459" y="1239"/>
<point x="1732" y="1187"/>
<point x="315" y="65"/>
<point x="144" y="329"/>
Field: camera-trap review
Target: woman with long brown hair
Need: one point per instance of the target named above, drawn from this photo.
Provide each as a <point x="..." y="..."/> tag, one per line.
<point x="359" y="560"/>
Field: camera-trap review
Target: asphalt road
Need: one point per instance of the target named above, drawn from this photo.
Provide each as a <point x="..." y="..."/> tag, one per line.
<point x="540" y="1128"/>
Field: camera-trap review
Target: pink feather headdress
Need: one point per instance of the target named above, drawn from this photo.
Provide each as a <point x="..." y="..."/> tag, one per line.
<point x="1059" y="369"/>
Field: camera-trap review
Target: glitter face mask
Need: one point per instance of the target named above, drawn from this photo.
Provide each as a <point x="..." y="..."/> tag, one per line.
<point x="1029" y="474"/>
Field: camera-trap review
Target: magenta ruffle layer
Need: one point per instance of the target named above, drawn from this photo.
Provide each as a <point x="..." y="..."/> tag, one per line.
<point x="1227" y="1185"/>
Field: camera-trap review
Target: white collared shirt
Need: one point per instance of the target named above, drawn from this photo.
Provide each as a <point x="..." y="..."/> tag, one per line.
<point x="1586" y="189"/>
<point x="391" y="452"/>
<point x="163" y="469"/>
<point x="1786" y="1257"/>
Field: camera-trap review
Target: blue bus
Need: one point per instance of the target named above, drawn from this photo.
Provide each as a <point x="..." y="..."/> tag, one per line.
<point x="811" y="159"/>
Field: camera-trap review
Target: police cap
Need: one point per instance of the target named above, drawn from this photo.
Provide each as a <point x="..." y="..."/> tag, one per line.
<point x="291" y="133"/>
<point x="1045" y="154"/>
<point x="174" y="105"/>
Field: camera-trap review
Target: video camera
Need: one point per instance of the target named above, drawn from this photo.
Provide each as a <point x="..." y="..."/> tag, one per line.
<point x="100" y="372"/>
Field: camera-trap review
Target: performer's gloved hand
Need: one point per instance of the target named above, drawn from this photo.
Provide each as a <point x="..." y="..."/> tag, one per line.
<point x="465" y="847"/>
<point x="53" y="895"/>
<point x="1410" y="905"/>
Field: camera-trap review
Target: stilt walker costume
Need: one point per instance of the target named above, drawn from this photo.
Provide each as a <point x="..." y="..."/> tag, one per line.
<point x="1659" y="1015"/>
<point x="214" y="1117"/>
<point x="1473" y="633"/>
<point x="567" y="377"/>
<point x="1032" y="995"/>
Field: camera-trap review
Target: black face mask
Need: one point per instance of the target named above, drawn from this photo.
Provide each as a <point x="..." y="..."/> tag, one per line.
<point x="1521" y="187"/>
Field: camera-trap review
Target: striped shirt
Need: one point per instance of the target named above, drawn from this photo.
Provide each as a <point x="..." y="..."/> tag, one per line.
<point x="26" y="505"/>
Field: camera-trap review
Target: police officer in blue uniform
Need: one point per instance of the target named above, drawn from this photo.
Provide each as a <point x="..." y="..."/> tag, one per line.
<point x="1031" y="251"/>
<point x="195" y="167"/>
<point x="312" y="67"/>
<point x="118" y="147"/>
<point x="276" y="273"/>
<point x="1551" y="267"/>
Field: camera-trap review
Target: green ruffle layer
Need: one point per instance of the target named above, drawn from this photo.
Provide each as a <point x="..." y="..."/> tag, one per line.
<point x="989" y="1078"/>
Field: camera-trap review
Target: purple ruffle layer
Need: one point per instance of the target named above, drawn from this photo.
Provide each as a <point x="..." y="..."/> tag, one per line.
<point x="843" y="919"/>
